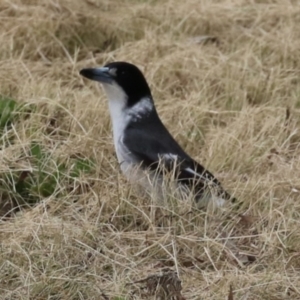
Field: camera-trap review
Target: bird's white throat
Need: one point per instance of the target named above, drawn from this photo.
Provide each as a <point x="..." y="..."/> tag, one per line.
<point x="120" y="114"/>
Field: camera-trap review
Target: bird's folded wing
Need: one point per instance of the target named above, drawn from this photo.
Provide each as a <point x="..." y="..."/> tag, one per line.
<point x="159" y="154"/>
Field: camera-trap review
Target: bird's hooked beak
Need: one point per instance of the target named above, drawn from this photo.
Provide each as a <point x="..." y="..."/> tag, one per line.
<point x="98" y="74"/>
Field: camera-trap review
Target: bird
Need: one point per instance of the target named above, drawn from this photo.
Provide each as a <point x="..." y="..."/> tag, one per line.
<point x="146" y="151"/>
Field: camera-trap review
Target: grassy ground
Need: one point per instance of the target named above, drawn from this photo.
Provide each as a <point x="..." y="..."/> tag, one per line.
<point x="233" y="103"/>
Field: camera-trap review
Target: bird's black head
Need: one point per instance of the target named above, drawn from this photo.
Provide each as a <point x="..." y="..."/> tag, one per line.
<point x="124" y="75"/>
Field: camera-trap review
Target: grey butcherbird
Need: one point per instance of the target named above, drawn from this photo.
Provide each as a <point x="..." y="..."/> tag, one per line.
<point x="141" y="140"/>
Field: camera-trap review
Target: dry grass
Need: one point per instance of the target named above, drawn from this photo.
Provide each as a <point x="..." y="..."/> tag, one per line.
<point x="233" y="105"/>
